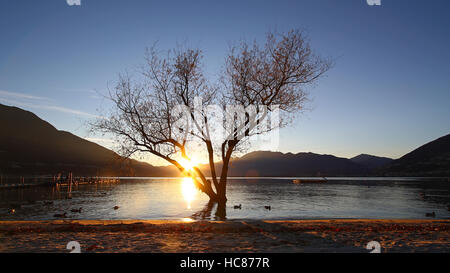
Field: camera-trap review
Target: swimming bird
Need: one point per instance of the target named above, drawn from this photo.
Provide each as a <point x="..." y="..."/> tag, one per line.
<point x="116" y="207"/>
<point x="238" y="207"/>
<point x="58" y="215"/>
<point x="48" y="203"/>
<point x="432" y="214"/>
<point x="12" y="211"/>
<point x="76" y="210"/>
<point x="268" y="207"/>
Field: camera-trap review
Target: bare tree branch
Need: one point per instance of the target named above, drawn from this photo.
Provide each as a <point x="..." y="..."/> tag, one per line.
<point x="273" y="76"/>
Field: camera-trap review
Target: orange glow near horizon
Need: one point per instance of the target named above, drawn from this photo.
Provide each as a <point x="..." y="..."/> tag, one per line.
<point x="188" y="164"/>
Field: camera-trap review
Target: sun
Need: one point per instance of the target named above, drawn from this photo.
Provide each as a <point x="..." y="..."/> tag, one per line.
<point x="188" y="164"/>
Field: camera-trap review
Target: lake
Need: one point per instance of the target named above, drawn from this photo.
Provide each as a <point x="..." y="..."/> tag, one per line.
<point x="163" y="198"/>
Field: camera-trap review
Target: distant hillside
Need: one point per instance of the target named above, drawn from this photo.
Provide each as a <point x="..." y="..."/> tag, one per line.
<point x="30" y="145"/>
<point x="431" y="159"/>
<point x="263" y="163"/>
<point x="371" y="162"/>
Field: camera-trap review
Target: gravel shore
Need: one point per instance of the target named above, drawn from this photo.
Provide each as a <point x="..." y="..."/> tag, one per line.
<point x="228" y="236"/>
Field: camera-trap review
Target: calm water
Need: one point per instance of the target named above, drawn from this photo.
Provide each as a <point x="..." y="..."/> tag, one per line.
<point x="176" y="199"/>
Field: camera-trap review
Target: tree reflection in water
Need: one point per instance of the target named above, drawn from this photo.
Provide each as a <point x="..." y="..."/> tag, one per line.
<point x="205" y="213"/>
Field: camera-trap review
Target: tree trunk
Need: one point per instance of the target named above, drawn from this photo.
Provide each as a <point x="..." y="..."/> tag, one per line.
<point x="222" y="189"/>
<point x="221" y="212"/>
<point x="222" y="185"/>
<point x="222" y="194"/>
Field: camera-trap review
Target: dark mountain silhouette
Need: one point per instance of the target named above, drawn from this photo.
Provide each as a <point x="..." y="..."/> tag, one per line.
<point x="371" y="162"/>
<point x="30" y="145"/>
<point x="264" y="163"/>
<point x="431" y="159"/>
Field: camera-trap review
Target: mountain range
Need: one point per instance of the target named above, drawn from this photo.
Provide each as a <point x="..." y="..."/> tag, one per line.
<point x="30" y="145"/>
<point x="265" y="163"/>
<point x="431" y="159"/>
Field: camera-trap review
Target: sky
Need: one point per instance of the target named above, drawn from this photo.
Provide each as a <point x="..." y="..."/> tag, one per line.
<point x="387" y="94"/>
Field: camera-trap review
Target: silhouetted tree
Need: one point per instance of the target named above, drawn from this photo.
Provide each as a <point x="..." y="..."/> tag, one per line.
<point x="160" y="113"/>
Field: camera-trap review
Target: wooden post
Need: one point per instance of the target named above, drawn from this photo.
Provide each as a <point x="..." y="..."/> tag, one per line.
<point x="69" y="188"/>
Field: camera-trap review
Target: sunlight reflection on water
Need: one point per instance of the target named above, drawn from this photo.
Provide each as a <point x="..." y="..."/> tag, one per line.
<point x="189" y="190"/>
<point x="179" y="199"/>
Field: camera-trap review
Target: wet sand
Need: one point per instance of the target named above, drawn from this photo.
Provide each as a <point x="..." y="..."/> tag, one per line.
<point x="229" y="236"/>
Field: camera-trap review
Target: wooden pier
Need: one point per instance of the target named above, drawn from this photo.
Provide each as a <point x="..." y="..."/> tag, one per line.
<point x="56" y="180"/>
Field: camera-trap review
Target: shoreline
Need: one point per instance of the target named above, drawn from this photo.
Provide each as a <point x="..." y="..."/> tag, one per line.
<point x="252" y="236"/>
<point x="18" y="185"/>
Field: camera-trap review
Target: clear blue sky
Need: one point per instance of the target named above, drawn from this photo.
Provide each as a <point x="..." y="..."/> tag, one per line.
<point x="388" y="93"/>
